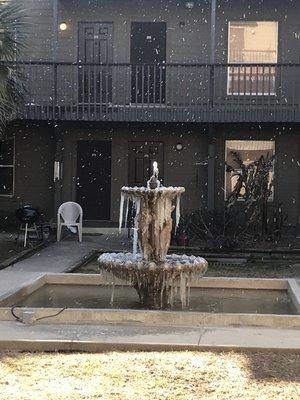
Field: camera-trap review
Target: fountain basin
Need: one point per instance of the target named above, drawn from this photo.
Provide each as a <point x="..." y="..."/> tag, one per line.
<point x="88" y="300"/>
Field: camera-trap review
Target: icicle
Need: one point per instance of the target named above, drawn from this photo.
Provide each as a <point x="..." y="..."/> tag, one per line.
<point x="188" y="291"/>
<point x="121" y="211"/>
<point x="112" y="294"/>
<point x="162" y="289"/>
<point x="171" y="296"/>
<point x="135" y="242"/>
<point x="126" y="213"/>
<point x="175" y="290"/>
<point x="177" y="212"/>
<point x="183" y="289"/>
<point x="137" y="211"/>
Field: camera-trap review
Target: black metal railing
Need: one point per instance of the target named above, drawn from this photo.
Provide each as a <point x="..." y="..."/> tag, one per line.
<point x="166" y="92"/>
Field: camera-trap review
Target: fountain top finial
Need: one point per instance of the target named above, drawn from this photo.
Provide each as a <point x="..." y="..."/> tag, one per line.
<point x="152" y="183"/>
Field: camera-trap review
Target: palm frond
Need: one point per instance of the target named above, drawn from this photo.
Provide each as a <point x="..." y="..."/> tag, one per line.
<point x="13" y="32"/>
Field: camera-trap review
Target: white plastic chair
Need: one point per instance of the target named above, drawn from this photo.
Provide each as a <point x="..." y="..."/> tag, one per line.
<point x="71" y="214"/>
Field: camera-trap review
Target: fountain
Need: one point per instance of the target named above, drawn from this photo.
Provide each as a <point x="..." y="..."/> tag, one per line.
<point x="156" y="276"/>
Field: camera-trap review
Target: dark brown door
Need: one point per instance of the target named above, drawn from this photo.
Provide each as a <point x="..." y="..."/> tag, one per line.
<point x="94" y="178"/>
<point x="96" y="50"/>
<point x="141" y="158"/>
<point x="148" y="55"/>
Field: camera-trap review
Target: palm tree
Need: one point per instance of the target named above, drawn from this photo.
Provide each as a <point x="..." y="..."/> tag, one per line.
<point x="12" y="42"/>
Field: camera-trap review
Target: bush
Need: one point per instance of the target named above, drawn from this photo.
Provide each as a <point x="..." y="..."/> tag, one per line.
<point x="247" y="216"/>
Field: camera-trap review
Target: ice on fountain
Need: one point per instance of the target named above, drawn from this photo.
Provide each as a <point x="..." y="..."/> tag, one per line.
<point x="176" y="272"/>
<point x="135" y="242"/>
<point x="112" y="296"/>
<point x="125" y="199"/>
<point x="177" y="212"/>
<point x="156" y="276"/>
<point x="126" y="213"/>
<point x="121" y="211"/>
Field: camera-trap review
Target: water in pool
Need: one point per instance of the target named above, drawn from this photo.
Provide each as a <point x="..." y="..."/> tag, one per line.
<point x="202" y="300"/>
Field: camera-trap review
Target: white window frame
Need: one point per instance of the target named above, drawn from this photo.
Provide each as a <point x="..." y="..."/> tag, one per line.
<point x="271" y="198"/>
<point x="10" y="195"/>
<point x="229" y="93"/>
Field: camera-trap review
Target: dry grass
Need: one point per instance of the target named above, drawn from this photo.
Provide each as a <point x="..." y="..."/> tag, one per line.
<point x="142" y="376"/>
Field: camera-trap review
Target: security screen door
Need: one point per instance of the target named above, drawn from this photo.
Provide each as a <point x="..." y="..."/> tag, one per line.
<point x="148" y="55"/>
<point x="93" y="184"/>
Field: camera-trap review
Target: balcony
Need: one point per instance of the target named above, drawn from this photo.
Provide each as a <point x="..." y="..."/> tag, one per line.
<point x="160" y="93"/>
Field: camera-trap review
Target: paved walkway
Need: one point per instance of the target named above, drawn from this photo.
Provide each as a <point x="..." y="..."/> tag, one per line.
<point x="58" y="257"/>
<point x="17" y="336"/>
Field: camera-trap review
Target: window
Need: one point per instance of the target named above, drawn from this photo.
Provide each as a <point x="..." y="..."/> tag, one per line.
<point x="247" y="153"/>
<point x="252" y="43"/>
<point x="6" y="167"/>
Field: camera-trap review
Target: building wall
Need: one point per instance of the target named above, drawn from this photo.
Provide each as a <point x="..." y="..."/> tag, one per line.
<point x="188" y="31"/>
<point x="39" y="20"/>
<point x="35" y="149"/>
<point x="180" y="168"/>
<point x="188" y="40"/>
<point x="34" y="155"/>
<point x="185" y="43"/>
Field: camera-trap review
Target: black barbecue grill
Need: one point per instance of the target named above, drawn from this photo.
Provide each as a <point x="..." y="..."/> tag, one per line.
<point x="27" y="215"/>
<point x="28" y="218"/>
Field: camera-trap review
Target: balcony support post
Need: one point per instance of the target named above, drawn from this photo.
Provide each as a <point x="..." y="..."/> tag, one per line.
<point x="298" y="194"/>
<point x="58" y="157"/>
<point x="211" y="169"/>
<point x="58" y="162"/>
<point x="211" y="139"/>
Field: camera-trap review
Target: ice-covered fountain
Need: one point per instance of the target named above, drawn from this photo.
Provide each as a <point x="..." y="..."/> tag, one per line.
<point x="157" y="277"/>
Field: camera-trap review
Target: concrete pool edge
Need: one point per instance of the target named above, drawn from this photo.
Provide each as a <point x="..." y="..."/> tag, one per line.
<point x="148" y="317"/>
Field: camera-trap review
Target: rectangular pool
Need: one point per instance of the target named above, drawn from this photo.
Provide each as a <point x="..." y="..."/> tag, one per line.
<point x="208" y="300"/>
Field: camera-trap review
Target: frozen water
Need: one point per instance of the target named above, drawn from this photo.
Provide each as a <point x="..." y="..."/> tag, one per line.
<point x="155" y="275"/>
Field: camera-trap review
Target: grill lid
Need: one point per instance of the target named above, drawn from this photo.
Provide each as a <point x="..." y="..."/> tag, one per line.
<point x="27" y="214"/>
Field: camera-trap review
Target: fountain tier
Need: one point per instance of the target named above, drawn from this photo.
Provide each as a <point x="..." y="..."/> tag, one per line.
<point x="153" y="219"/>
<point x="157" y="283"/>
